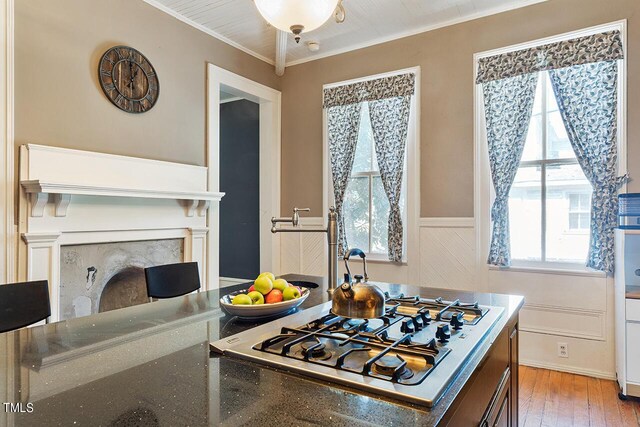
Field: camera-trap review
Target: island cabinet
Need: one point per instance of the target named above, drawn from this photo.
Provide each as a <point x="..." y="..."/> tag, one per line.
<point x="490" y="397"/>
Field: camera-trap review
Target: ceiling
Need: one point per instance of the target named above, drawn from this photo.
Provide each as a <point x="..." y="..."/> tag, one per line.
<point x="368" y="22"/>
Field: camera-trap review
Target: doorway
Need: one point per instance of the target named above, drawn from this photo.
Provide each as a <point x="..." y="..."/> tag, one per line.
<point x="224" y="85"/>
<point x="240" y="181"/>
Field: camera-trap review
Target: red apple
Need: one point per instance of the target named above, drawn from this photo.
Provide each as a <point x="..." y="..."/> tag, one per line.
<point x="251" y="288"/>
<point x="274" y="296"/>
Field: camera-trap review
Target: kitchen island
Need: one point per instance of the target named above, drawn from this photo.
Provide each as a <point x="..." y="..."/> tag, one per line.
<point x="151" y="365"/>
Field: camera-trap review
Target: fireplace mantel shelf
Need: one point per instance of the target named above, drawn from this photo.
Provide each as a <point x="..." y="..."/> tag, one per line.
<point x="39" y="191"/>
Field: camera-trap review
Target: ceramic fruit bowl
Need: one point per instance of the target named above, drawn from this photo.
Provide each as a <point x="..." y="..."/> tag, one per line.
<point x="257" y="311"/>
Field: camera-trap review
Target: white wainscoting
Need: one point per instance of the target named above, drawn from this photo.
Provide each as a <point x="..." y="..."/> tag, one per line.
<point x="574" y="309"/>
<point x="304" y="252"/>
<point x="447" y="254"/>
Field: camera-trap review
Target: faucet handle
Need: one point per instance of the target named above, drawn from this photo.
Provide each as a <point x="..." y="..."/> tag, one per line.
<point x="296" y="216"/>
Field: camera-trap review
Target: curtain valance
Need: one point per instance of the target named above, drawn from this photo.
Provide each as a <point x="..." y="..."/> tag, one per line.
<point x="582" y="50"/>
<point x="370" y="90"/>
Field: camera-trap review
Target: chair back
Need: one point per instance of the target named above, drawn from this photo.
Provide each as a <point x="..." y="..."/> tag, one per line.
<point x="172" y="280"/>
<point x="22" y="304"/>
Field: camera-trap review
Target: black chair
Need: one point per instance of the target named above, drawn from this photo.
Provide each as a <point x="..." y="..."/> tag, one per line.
<point x="22" y="304"/>
<point x="172" y="280"/>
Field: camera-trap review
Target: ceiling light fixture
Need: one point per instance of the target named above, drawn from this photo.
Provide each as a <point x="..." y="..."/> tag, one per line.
<point x="297" y="15"/>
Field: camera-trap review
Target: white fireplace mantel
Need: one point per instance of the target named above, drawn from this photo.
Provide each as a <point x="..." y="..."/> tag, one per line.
<point x="65" y="173"/>
<point x="78" y="197"/>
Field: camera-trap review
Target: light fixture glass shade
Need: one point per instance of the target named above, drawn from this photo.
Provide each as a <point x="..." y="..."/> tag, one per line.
<point x="284" y="14"/>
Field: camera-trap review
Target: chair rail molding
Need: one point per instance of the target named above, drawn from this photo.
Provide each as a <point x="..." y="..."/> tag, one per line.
<point x="72" y="197"/>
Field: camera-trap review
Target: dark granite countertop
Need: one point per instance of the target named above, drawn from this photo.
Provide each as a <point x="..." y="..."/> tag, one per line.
<point x="150" y="365"/>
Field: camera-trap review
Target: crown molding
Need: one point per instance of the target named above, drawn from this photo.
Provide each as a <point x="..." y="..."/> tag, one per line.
<point x="376" y="41"/>
<point x="415" y="31"/>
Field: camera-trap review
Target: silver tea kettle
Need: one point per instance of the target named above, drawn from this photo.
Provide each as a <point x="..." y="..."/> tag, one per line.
<point x="360" y="300"/>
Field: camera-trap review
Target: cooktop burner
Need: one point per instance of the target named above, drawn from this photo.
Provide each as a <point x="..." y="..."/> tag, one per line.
<point x="412" y="351"/>
<point x="363" y="346"/>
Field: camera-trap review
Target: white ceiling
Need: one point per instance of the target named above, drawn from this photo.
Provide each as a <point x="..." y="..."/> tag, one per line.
<point x="368" y="22"/>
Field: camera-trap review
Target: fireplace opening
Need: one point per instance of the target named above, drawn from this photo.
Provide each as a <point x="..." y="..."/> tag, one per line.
<point x="126" y="288"/>
<point x="97" y="277"/>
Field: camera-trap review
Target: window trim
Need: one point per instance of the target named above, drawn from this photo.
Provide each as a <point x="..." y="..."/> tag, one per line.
<point x="483" y="189"/>
<point x="411" y="178"/>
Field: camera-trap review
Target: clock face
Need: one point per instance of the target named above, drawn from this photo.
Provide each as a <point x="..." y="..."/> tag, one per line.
<point x="128" y="79"/>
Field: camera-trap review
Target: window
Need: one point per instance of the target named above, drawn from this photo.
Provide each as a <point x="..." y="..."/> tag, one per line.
<point x="366" y="207"/>
<point x="579" y="211"/>
<point x="549" y="202"/>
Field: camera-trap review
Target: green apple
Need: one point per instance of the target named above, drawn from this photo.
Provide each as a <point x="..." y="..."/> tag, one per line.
<point x="263" y="284"/>
<point x="280" y="284"/>
<point x="256" y="297"/>
<point x="290" y="293"/>
<point x="269" y="275"/>
<point x="241" y="299"/>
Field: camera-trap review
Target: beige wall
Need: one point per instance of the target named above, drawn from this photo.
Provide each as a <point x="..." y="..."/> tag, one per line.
<point x="446" y="58"/>
<point x="58" y="100"/>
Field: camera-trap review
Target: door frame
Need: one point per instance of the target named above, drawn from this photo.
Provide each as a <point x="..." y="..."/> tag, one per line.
<point x="8" y="228"/>
<point x="269" y="100"/>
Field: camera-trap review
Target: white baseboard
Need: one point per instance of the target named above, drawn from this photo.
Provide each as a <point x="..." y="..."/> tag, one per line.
<point x="570" y="369"/>
<point x="232" y="281"/>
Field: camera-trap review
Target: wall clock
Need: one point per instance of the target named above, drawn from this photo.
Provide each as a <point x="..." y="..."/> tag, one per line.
<point x="128" y="79"/>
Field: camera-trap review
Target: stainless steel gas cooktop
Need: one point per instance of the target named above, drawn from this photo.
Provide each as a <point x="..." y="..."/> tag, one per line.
<point x="411" y="353"/>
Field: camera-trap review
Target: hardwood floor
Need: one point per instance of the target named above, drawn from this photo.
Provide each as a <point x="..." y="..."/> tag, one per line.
<point x="552" y="398"/>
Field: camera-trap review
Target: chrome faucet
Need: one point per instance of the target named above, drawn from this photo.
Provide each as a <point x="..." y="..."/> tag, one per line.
<point x="332" y="239"/>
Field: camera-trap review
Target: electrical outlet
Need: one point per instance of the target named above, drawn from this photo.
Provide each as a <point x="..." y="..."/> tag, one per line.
<point x="563" y="349"/>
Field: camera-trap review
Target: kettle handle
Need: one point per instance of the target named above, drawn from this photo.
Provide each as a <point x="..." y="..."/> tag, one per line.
<point x="361" y="254"/>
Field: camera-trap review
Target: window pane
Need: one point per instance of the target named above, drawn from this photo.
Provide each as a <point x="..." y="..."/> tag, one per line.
<point x="574" y="221"/>
<point x="558" y="145"/>
<point x="533" y="145"/>
<point x="525" y="215"/>
<point x="363" y="161"/>
<point x="356" y="213"/>
<point x="379" y="219"/>
<point x="567" y="234"/>
<point x="574" y="202"/>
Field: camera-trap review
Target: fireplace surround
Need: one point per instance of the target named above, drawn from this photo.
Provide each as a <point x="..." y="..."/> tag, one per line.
<point x="72" y="197"/>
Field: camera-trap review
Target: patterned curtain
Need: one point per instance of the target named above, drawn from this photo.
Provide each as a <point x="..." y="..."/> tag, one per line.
<point x="508" y="105"/>
<point x="389" y="106"/>
<point x="587" y="99"/>
<point x="390" y="122"/>
<point x="567" y="53"/>
<point x="343" y="122"/>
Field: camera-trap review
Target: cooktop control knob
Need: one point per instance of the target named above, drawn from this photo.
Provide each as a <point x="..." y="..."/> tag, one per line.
<point x="426" y="317"/>
<point x="443" y="333"/>
<point x="407" y="326"/>
<point x="457" y="320"/>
